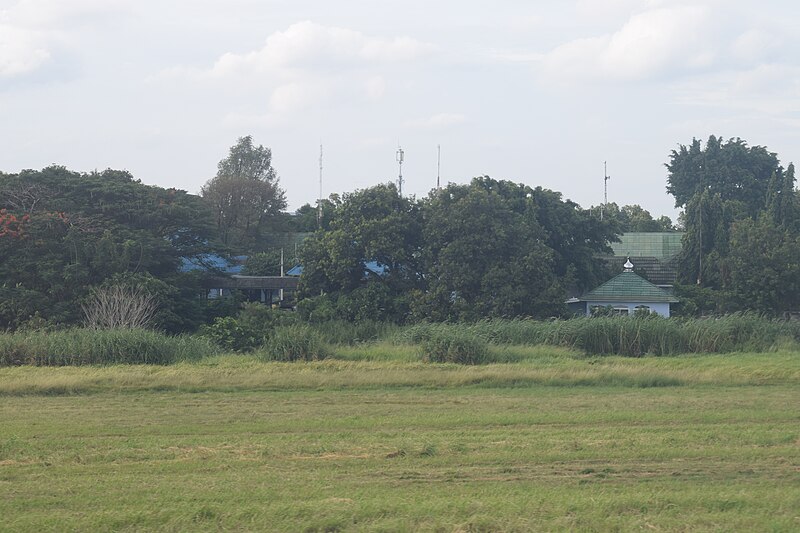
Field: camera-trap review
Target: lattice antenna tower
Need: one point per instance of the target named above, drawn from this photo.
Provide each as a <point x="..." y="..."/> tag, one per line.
<point x="400" y="156"/>
<point x="606" y="177"/>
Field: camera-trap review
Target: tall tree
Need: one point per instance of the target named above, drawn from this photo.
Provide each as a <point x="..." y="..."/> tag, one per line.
<point x="731" y="169"/>
<point x="245" y="194"/>
<point x="782" y="200"/>
<point x="372" y="227"/>
<point x="764" y="266"/>
<point x="486" y="254"/>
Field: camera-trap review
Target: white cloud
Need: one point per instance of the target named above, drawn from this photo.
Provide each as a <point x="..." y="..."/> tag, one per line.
<point x="310" y="45"/>
<point x="755" y="45"/>
<point x="440" y="120"/>
<point x="650" y="44"/>
<point x="376" y="87"/>
<point x="770" y="90"/>
<point x="308" y="64"/>
<point x="21" y="51"/>
<point x="60" y="13"/>
<point x="297" y="95"/>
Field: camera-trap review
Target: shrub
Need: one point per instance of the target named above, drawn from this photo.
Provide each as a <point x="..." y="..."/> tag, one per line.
<point x="119" y="306"/>
<point x="249" y="330"/>
<point x="454" y="345"/>
<point x="230" y="334"/>
<point x="294" y="343"/>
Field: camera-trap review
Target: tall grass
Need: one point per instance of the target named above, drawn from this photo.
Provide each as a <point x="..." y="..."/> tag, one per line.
<point x="629" y="336"/>
<point x="294" y="343"/>
<point x="454" y="346"/>
<point x="99" y="347"/>
<point x="346" y="333"/>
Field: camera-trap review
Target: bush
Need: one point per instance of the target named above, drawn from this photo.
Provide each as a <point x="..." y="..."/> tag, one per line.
<point x="230" y="334"/>
<point x="249" y="330"/>
<point x="294" y="343"/>
<point x="454" y="346"/>
<point x="99" y="347"/>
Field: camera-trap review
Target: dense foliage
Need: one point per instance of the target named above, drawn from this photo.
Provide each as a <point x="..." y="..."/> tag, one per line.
<point x="466" y="252"/>
<point x="490" y="248"/>
<point x="742" y="221"/>
<point x="68" y="231"/>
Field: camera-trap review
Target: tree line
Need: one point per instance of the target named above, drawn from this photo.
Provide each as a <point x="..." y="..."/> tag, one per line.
<point x="490" y="248"/>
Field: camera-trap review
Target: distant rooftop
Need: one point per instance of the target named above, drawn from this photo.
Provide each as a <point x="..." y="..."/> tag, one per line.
<point x="627" y="287"/>
<point x="661" y="245"/>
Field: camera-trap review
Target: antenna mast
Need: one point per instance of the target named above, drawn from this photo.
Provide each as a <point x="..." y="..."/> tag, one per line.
<point x="606" y="177"/>
<point x="438" y="164"/>
<point x="319" y="202"/>
<point x="400" y="157"/>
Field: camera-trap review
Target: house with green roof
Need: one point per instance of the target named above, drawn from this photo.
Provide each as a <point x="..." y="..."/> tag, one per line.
<point x="626" y="293"/>
<point x="655" y="255"/>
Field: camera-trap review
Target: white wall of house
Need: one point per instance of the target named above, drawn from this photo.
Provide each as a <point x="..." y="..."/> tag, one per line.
<point x="658" y="308"/>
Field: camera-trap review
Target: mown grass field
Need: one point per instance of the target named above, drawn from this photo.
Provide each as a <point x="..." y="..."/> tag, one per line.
<point x="373" y="441"/>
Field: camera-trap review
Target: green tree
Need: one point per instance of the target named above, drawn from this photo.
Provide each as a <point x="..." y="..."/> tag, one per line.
<point x="764" y="266"/>
<point x="782" y="200"/>
<point x="486" y="254"/>
<point x="245" y="195"/>
<point x="634" y="218"/>
<point x="264" y="264"/>
<point x="732" y="169"/>
<point x="371" y="226"/>
<point x="84" y="228"/>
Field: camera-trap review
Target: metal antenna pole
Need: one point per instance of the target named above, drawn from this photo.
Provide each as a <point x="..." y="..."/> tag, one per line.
<point x="438" y="164"/>
<point x="319" y="202"/>
<point x="400" y="157"/>
<point x="606" y="177"/>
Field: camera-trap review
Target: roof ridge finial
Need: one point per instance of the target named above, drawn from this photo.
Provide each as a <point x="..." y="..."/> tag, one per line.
<point x="628" y="265"/>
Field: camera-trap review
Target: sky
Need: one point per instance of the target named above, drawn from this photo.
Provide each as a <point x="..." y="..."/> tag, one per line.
<point x="537" y="92"/>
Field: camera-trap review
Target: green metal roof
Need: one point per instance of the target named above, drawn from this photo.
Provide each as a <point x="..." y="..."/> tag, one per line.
<point x="628" y="287"/>
<point x="662" y="245"/>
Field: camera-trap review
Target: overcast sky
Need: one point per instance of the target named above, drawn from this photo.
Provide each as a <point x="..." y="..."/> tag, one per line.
<point x="540" y="92"/>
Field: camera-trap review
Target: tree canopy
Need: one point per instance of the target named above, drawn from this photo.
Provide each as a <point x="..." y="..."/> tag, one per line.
<point x="742" y="220"/>
<point x="490" y="248"/>
<point x="66" y="231"/>
<point x="245" y="195"/>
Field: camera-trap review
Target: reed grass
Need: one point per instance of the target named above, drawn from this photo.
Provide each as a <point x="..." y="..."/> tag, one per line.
<point x="454" y="346"/>
<point x="629" y="336"/>
<point x="344" y="333"/>
<point x="297" y="342"/>
<point x="75" y="347"/>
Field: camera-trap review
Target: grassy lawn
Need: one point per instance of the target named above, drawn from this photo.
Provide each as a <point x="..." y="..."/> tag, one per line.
<point x="549" y="442"/>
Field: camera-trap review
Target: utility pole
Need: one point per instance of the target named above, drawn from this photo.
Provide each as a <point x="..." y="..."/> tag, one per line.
<point x="400" y="155"/>
<point x="282" y="275"/>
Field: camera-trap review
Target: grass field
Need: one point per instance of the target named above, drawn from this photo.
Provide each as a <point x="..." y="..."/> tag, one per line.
<point x="375" y="441"/>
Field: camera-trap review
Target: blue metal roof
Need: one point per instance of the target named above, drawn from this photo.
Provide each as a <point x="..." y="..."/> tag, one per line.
<point x="370" y="267"/>
<point x="213" y="262"/>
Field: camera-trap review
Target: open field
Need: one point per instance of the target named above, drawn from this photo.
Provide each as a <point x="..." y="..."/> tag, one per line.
<point x="708" y="442"/>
